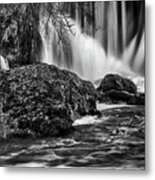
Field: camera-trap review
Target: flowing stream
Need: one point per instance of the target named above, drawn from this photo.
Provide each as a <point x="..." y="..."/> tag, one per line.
<point x="115" y="140"/>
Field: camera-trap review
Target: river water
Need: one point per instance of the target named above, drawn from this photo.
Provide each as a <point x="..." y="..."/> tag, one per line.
<point x="115" y="140"/>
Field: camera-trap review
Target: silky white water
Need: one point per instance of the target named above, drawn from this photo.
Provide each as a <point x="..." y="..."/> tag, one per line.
<point x="4" y="63"/>
<point x="85" y="54"/>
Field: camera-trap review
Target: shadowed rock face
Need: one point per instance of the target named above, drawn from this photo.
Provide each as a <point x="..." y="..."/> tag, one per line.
<point x="42" y="100"/>
<point x="117" y="89"/>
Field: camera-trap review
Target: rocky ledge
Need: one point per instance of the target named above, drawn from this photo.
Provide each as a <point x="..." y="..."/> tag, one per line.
<point x="42" y="100"/>
<point x="115" y="89"/>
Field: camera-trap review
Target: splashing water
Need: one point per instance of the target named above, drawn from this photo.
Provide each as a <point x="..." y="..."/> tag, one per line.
<point x="86" y="56"/>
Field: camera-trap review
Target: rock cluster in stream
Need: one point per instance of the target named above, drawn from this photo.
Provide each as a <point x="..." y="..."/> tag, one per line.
<point x="117" y="89"/>
<point x="42" y="100"/>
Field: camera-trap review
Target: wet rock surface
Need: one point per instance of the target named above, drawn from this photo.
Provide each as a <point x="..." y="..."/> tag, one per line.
<point x="42" y="100"/>
<point x="115" y="89"/>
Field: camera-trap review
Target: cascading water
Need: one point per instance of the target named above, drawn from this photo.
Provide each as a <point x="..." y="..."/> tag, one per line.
<point x="47" y="35"/>
<point x="85" y="55"/>
<point x="4" y="63"/>
<point x="86" y="52"/>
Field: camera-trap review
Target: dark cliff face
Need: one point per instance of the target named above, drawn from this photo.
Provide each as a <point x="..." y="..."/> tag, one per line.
<point x="43" y="100"/>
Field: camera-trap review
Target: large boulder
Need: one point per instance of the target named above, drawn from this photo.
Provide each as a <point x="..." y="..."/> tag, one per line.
<point x="116" y="89"/>
<point x="117" y="82"/>
<point x="42" y="100"/>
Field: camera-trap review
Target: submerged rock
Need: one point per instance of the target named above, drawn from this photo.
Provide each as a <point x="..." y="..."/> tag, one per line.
<point x="42" y="100"/>
<point x="117" y="89"/>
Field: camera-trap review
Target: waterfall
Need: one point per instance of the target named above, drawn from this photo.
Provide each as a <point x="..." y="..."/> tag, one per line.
<point x="85" y="54"/>
<point x="47" y="34"/>
<point x="88" y="56"/>
<point x="4" y="63"/>
<point x="112" y="28"/>
<point x="123" y="23"/>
